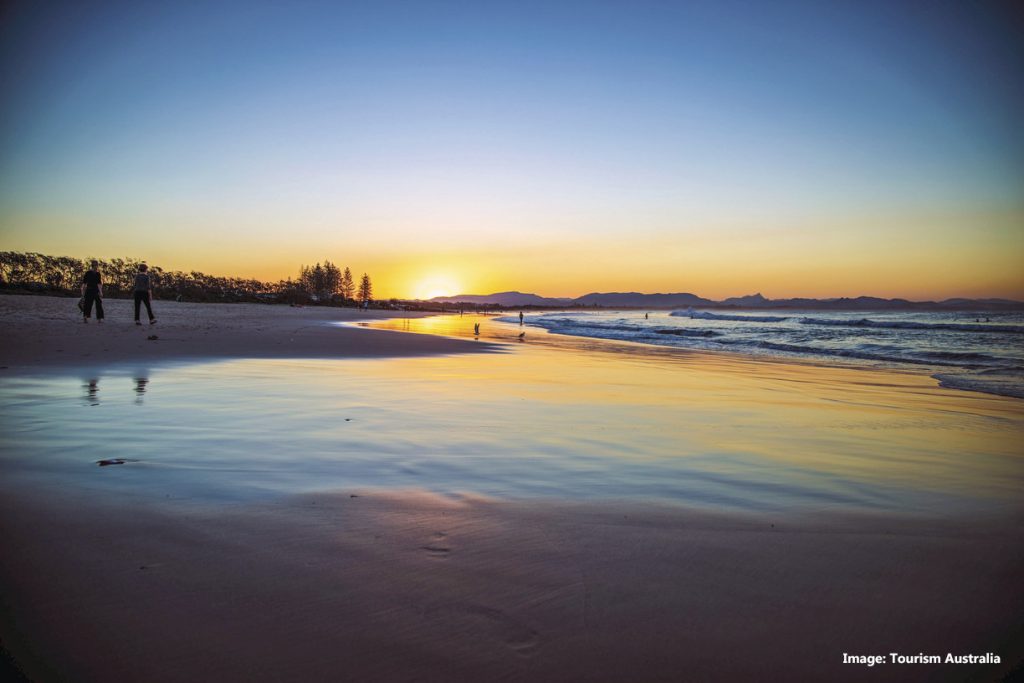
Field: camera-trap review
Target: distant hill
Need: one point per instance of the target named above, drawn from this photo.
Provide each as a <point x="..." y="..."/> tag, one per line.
<point x="686" y="300"/>
<point x="638" y="300"/>
<point x="503" y="299"/>
<point x="869" y="303"/>
<point x="749" y="301"/>
<point x="985" y="302"/>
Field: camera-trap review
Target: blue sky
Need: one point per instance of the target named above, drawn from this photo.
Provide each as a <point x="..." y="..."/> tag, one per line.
<point x="635" y="128"/>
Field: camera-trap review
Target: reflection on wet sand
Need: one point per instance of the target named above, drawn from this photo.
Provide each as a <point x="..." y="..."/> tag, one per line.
<point x="697" y="429"/>
<point x="140" y="389"/>
<point x="91" y="388"/>
<point x="469" y="325"/>
<point x="92" y="391"/>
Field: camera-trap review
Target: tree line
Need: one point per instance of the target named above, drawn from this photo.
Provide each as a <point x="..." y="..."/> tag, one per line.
<point x="43" y="274"/>
<point x="327" y="282"/>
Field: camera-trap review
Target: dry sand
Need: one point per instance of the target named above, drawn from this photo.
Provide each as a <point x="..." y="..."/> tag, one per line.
<point x="43" y="331"/>
<point x="416" y="588"/>
<point x="358" y="585"/>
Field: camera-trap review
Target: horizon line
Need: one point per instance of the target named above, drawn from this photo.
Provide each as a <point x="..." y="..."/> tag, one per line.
<point x="743" y="296"/>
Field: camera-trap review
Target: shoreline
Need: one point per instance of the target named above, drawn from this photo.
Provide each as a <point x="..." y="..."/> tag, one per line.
<point x="47" y="337"/>
<point x="719" y="357"/>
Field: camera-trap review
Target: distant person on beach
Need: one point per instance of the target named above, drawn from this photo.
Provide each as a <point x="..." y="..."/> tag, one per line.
<point x="143" y="293"/>
<point x="520" y="318"/>
<point x="92" y="290"/>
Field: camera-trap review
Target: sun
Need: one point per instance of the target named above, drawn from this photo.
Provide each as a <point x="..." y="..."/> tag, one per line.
<point x="436" y="285"/>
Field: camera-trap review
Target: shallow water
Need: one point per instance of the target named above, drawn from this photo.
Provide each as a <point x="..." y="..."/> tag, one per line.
<point x="536" y="422"/>
<point x="966" y="350"/>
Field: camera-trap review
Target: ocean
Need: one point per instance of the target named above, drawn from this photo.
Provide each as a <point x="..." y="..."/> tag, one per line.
<point x="963" y="350"/>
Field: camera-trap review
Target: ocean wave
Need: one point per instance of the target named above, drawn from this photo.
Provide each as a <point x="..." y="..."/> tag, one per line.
<point x="559" y="323"/>
<point x="846" y="353"/>
<point x="705" y="315"/>
<point x="959" y="356"/>
<point x="555" y="324"/>
<point x="1003" y="384"/>
<point x="911" y="325"/>
<point x="570" y="326"/>
<point x="680" y="332"/>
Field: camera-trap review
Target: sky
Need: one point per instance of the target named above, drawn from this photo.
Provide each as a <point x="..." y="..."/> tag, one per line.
<point x="721" y="148"/>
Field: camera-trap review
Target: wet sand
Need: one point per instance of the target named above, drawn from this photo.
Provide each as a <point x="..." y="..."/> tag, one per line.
<point x="359" y="584"/>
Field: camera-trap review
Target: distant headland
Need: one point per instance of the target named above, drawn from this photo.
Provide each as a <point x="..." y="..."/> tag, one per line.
<point x="685" y="299"/>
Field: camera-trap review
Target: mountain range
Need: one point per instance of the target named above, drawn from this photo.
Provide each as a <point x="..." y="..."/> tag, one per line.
<point x="685" y="299"/>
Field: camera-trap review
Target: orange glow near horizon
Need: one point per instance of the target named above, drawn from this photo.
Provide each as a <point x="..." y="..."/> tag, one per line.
<point x="436" y="284"/>
<point x="919" y="256"/>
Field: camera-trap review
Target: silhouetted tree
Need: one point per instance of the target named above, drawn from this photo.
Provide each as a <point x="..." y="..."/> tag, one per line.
<point x="348" y="287"/>
<point x="332" y="280"/>
<point x="63" y="275"/>
<point x="365" y="289"/>
<point x="321" y="281"/>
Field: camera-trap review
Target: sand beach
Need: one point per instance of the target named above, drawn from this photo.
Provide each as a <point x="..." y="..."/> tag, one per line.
<point x="42" y="337"/>
<point x="301" y="500"/>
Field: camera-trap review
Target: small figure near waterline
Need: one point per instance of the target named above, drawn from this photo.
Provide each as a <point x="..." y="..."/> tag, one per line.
<point x="92" y="290"/>
<point x="476" y="329"/>
<point x="520" y="318"/>
<point x="143" y="293"/>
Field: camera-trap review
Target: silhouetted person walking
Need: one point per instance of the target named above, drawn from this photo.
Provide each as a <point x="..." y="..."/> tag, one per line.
<point x="143" y="293"/>
<point x="520" y="318"/>
<point x="92" y="290"/>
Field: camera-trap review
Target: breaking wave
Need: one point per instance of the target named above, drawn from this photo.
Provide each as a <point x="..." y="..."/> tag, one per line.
<point x="914" y="325"/>
<point x="705" y="315"/>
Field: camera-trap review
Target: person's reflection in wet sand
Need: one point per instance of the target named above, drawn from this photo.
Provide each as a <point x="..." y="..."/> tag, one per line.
<point x="140" y="389"/>
<point x="92" y="391"/>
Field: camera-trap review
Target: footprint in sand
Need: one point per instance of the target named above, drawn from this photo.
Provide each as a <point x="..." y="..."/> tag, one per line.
<point x="437" y="548"/>
<point x="515" y="634"/>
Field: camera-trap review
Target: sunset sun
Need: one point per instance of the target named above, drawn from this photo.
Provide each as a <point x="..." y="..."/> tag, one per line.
<point x="438" y="284"/>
